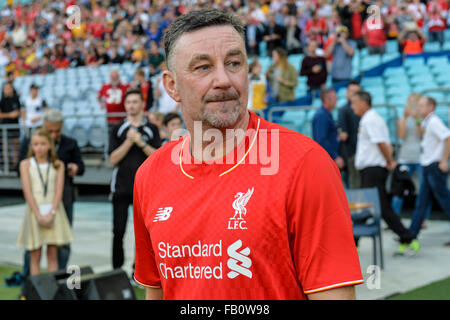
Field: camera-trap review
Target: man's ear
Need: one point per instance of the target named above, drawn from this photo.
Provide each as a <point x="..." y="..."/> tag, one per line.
<point x="168" y="79"/>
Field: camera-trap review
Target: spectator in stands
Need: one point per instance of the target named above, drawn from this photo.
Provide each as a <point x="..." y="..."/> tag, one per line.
<point x="314" y="67"/>
<point x="273" y="34"/>
<point x="353" y="14"/>
<point x="132" y="140"/>
<point x="374" y="160"/>
<point x="436" y="25"/>
<point x="110" y="97"/>
<point x="254" y="35"/>
<point x="257" y="92"/>
<point x="9" y="114"/>
<point x="375" y="36"/>
<point x="408" y="131"/>
<point x="34" y="107"/>
<point x="140" y="82"/>
<point x="155" y="59"/>
<point x="282" y="77"/>
<point x="173" y="124"/>
<point x="157" y="118"/>
<point x="434" y="158"/>
<point x="68" y="152"/>
<point x="347" y="124"/>
<point x="324" y="128"/>
<point x="76" y="60"/>
<point x="412" y="41"/>
<point x="342" y="49"/>
<point x="60" y="61"/>
<point x="165" y="103"/>
<point x="293" y="35"/>
<point x="404" y="18"/>
<point x="316" y="28"/>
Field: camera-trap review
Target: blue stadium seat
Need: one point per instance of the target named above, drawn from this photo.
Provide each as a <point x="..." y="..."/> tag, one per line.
<point x="98" y="133"/>
<point x="372" y="81"/>
<point x="439" y="96"/>
<point x="395" y="80"/>
<point x="392" y="46"/>
<point x="419" y="87"/>
<point x="418" y="70"/>
<point x="420" y="78"/>
<point x="413" y="62"/>
<point x="432" y="47"/>
<point x="394" y="71"/>
<point x="437" y="61"/>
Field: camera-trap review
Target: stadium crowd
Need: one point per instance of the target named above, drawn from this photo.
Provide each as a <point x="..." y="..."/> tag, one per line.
<point x="37" y="39"/>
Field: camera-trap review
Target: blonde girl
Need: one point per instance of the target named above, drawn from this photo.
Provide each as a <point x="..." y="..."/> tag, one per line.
<point x="45" y="221"/>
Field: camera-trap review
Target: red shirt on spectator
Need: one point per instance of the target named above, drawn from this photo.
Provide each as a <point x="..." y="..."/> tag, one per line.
<point x="320" y="24"/>
<point x="356" y="25"/>
<point x="376" y="36"/>
<point x="436" y="22"/>
<point x="442" y="5"/>
<point x="97" y="29"/>
<point x="60" y="63"/>
<point x="413" y="47"/>
<point x="113" y="98"/>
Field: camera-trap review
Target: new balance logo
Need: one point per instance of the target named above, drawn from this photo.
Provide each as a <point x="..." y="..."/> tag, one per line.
<point x="239" y="262"/>
<point x="163" y="214"/>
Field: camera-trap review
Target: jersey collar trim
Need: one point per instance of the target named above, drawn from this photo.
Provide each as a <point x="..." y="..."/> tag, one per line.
<point x="227" y="171"/>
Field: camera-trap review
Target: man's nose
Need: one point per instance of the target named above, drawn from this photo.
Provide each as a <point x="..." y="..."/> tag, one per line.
<point x="221" y="77"/>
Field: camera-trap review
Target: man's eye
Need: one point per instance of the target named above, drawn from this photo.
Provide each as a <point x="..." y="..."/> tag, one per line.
<point x="235" y="63"/>
<point x="203" y="67"/>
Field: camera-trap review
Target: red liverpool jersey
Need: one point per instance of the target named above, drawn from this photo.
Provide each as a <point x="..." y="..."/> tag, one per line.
<point x="114" y="99"/>
<point x="272" y="224"/>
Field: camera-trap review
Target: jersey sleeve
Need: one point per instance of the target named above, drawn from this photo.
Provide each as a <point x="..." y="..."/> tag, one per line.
<point x="146" y="271"/>
<point x="320" y="228"/>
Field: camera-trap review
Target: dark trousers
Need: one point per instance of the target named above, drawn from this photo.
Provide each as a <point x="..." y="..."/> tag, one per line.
<point x="376" y="177"/>
<point x="121" y="203"/>
<point x="434" y="182"/>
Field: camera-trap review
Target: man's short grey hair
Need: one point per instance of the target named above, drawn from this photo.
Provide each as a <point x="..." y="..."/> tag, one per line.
<point x="196" y="20"/>
<point x="364" y="96"/>
<point x="53" y="116"/>
<point x="325" y="92"/>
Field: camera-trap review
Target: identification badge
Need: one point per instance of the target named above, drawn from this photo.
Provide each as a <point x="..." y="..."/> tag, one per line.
<point x="45" y="208"/>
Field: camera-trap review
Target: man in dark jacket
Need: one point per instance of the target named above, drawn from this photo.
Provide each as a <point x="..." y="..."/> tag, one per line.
<point x="347" y="124"/>
<point x="68" y="152"/>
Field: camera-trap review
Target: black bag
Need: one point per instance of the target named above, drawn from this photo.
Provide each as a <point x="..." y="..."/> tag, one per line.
<point x="401" y="183"/>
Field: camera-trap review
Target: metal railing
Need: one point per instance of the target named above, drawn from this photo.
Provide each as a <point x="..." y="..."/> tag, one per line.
<point x="91" y="132"/>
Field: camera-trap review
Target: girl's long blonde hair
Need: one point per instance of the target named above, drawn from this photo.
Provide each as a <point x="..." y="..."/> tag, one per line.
<point x="52" y="157"/>
<point x="413" y="101"/>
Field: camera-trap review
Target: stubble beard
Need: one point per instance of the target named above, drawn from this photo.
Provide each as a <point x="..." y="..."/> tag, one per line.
<point x="222" y="117"/>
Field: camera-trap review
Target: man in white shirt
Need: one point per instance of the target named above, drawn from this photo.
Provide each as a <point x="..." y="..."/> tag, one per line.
<point x="435" y="151"/>
<point x="34" y="108"/>
<point x="373" y="159"/>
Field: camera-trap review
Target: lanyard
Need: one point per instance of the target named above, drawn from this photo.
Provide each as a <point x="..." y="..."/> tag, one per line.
<point x="44" y="184"/>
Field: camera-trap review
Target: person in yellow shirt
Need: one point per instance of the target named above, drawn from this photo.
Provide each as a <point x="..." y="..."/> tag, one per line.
<point x="257" y="87"/>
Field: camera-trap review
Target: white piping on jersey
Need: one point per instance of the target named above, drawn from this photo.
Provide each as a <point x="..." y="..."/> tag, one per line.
<point x="223" y="173"/>
<point x="124" y="126"/>
<point x="148" y="131"/>
<point x="113" y="180"/>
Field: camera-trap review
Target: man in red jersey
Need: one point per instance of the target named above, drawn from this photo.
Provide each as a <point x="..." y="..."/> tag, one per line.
<point x="232" y="222"/>
<point x="111" y="97"/>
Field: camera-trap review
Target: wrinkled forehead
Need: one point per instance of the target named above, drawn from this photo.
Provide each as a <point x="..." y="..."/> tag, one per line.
<point x="212" y="41"/>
